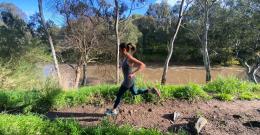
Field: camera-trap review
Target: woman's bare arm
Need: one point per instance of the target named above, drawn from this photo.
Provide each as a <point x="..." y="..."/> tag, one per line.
<point x="140" y="65"/>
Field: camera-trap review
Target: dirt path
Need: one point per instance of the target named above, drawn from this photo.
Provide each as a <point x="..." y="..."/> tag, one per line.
<point x="233" y="118"/>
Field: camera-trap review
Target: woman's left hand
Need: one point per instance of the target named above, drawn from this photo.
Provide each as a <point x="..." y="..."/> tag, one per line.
<point x="131" y="75"/>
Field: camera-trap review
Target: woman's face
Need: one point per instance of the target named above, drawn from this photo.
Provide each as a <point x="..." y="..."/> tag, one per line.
<point x="122" y="50"/>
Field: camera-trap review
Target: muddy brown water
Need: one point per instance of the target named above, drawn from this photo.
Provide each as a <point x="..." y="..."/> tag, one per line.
<point x="98" y="74"/>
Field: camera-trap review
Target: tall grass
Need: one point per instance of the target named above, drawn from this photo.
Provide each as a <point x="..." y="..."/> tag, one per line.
<point x="43" y="100"/>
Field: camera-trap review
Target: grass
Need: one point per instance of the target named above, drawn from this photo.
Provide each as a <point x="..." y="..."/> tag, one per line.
<point x="231" y="88"/>
<point x="41" y="101"/>
<point x="38" y="125"/>
<point x="107" y="128"/>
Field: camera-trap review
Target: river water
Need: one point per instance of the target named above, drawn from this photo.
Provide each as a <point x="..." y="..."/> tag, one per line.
<point x="98" y="74"/>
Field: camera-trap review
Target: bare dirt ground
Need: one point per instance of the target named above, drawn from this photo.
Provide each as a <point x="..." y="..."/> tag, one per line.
<point x="224" y="118"/>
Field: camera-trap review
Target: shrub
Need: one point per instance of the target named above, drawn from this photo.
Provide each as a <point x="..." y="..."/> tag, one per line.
<point x="190" y="92"/>
<point x="231" y="88"/>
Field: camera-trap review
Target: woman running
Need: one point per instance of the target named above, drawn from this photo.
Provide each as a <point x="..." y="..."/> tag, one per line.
<point x="127" y="51"/>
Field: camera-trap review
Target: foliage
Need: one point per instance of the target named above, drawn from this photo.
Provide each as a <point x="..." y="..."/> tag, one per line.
<point x="25" y="72"/>
<point x="231" y="87"/>
<point x="13" y="36"/>
<point x="190" y="92"/>
<point x="21" y="54"/>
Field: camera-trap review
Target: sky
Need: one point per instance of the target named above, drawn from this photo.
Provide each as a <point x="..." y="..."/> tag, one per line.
<point x="30" y="7"/>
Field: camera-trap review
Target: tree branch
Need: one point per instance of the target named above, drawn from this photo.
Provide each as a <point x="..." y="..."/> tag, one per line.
<point x="195" y="33"/>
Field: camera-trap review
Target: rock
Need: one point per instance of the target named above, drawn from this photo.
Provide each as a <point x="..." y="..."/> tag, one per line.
<point x="150" y="110"/>
<point x="258" y="110"/>
<point x="223" y="122"/>
<point x="176" y="115"/>
<point x="237" y="116"/>
<point x="121" y="110"/>
<point x="200" y="124"/>
<point x="130" y="112"/>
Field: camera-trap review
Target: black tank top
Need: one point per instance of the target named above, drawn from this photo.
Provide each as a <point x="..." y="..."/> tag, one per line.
<point x="127" y="70"/>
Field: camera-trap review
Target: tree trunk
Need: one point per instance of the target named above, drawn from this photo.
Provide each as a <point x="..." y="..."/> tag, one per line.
<point x="206" y="59"/>
<point x="251" y="71"/>
<point x="163" y="81"/>
<point x="84" y="67"/>
<point x="117" y="38"/>
<point x="254" y="74"/>
<point x="50" y="41"/>
<point x="77" y="78"/>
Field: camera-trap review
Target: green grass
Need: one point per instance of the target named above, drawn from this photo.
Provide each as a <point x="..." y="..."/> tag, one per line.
<point x="231" y="88"/>
<point x="42" y="100"/>
<point x="33" y="125"/>
<point x="107" y="128"/>
<point x="37" y="125"/>
<point x="226" y="89"/>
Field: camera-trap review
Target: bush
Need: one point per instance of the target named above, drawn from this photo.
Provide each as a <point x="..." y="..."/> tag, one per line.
<point x="24" y="71"/>
<point x="225" y="97"/>
<point x="247" y="96"/>
<point x="27" y="101"/>
<point x="191" y="92"/>
<point x="231" y="88"/>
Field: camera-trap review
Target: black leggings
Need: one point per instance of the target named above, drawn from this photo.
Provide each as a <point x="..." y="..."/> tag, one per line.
<point x="123" y="89"/>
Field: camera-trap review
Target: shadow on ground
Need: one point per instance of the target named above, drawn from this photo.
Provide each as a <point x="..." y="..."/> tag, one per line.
<point x="181" y="124"/>
<point x="252" y="124"/>
<point x="86" y="117"/>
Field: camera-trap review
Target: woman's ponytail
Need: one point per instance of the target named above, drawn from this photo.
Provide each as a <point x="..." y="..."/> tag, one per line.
<point x="131" y="47"/>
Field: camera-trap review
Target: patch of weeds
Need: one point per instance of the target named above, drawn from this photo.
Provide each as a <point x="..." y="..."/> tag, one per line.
<point x="225" y="97"/>
<point x="231" y="88"/>
<point x="247" y="96"/>
<point x="191" y="92"/>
